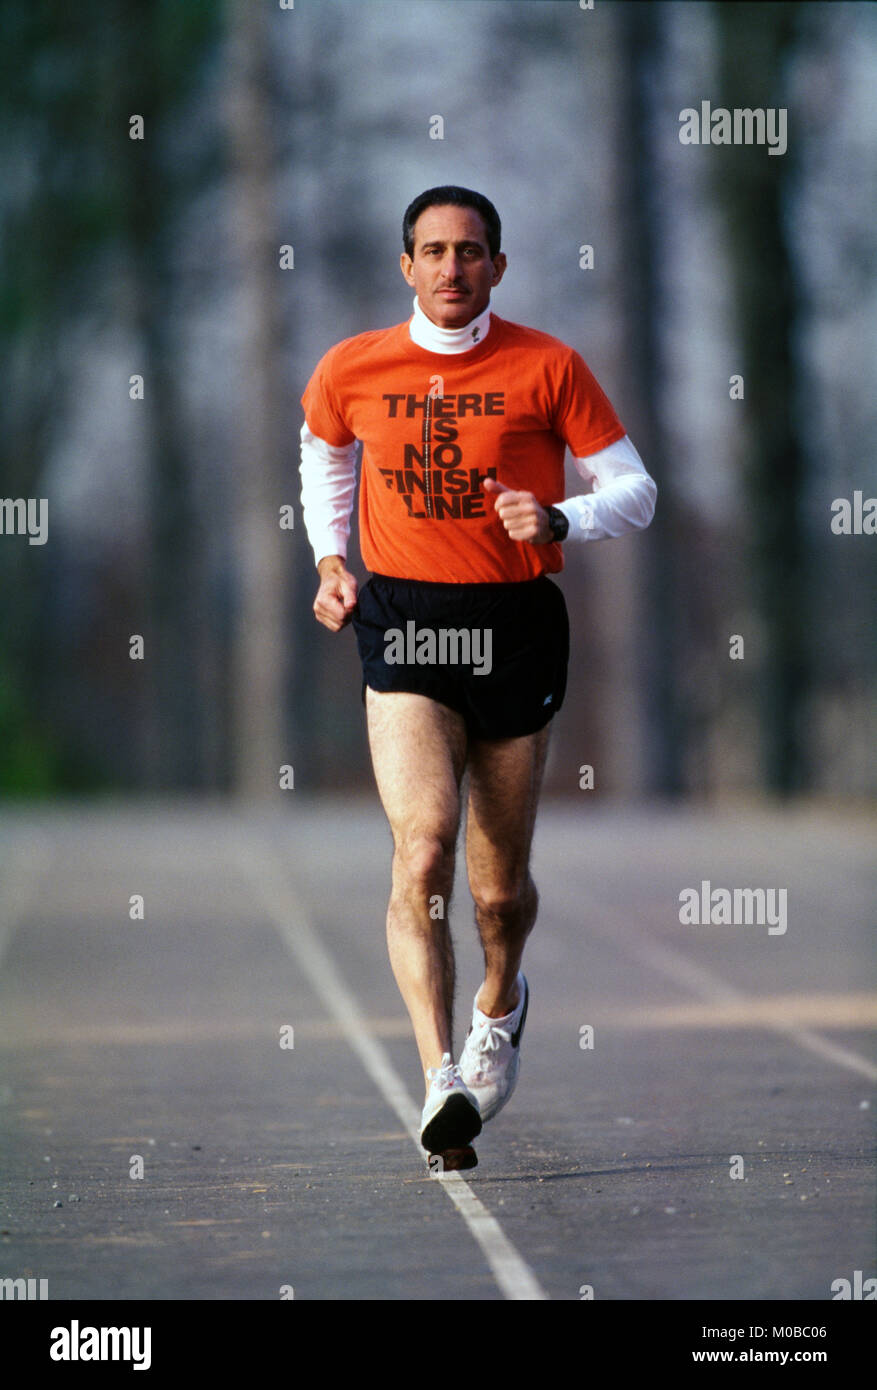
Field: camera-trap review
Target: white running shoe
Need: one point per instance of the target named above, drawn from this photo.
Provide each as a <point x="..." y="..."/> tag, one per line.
<point x="450" y="1115"/>
<point x="492" y="1054"/>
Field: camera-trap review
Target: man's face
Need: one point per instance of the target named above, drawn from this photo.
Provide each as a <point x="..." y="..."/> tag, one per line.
<point x="451" y="269"/>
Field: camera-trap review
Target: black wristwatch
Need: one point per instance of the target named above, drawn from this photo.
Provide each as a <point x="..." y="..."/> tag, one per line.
<point x="559" y="524"/>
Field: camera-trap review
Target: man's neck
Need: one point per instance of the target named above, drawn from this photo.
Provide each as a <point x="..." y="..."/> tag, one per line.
<point x="429" y="335"/>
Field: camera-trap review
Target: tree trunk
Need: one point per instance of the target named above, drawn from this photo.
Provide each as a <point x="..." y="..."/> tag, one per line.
<point x="261" y="639"/>
<point x="755" y="41"/>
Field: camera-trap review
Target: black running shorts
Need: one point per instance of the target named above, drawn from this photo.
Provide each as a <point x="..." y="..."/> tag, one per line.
<point x="495" y="653"/>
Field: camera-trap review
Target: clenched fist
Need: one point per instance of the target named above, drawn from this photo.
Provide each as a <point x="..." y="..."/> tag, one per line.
<point x="521" y="515"/>
<point x="336" y="596"/>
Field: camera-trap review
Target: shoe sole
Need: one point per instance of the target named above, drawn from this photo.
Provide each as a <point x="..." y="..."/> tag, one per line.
<point x="452" y="1160"/>
<point x="455" y="1125"/>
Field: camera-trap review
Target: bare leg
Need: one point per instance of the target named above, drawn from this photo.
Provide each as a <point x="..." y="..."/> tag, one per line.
<point x="504" y="785"/>
<point x="418" y="750"/>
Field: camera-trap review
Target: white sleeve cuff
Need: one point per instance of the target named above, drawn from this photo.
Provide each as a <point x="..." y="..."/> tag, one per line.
<point x="328" y="484"/>
<point x="623" y="499"/>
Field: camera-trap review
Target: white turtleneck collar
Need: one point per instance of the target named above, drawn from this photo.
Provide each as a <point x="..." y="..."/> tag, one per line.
<point x="427" y="334"/>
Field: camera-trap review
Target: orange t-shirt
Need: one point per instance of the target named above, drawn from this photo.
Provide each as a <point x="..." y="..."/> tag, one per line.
<point x="434" y="424"/>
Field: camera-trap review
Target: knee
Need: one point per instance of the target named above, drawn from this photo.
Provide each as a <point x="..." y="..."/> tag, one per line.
<point x="425" y="859"/>
<point x="504" y="899"/>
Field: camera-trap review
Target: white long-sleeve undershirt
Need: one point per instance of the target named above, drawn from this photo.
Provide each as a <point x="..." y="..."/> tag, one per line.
<point x="623" y="499"/>
<point x="328" y="485"/>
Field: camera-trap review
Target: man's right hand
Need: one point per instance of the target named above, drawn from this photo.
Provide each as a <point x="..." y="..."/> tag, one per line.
<point x="336" y="596"/>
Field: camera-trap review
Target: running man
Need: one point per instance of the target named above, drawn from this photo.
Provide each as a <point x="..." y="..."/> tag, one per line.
<point x="464" y="419"/>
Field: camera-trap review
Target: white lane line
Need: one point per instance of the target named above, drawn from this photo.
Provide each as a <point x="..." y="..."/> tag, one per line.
<point x="21" y="878"/>
<point x="289" y="915"/>
<point x="711" y="988"/>
<point x="856" y="1009"/>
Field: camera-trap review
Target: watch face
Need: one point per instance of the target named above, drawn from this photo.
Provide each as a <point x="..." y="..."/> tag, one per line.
<point x="559" y="524"/>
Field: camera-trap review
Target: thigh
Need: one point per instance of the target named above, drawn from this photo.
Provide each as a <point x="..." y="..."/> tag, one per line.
<point x="505" y="779"/>
<point x="418" y="750"/>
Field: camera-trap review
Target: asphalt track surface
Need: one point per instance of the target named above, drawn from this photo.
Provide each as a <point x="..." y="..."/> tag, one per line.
<point x="269" y="1168"/>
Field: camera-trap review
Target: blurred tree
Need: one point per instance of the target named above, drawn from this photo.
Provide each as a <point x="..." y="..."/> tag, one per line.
<point x="662" y="622"/>
<point x="79" y="200"/>
<point x="756" y="46"/>
<point x="262" y="633"/>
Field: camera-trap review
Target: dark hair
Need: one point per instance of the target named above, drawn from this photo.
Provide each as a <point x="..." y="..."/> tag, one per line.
<point x="451" y="194"/>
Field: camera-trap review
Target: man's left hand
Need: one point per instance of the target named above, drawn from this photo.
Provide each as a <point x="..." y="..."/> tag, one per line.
<point x="521" y="515"/>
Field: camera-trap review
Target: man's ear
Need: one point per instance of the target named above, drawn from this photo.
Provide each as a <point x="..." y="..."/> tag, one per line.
<point x="407" y="266"/>
<point x="499" y="267"/>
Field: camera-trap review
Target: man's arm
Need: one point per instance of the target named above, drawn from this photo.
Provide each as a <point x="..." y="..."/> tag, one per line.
<point x="624" y="502"/>
<point x="623" y="499"/>
<point x="328" y="484"/>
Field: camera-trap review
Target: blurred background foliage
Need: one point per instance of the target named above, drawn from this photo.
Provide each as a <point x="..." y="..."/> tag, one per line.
<point x="309" y="127"/>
